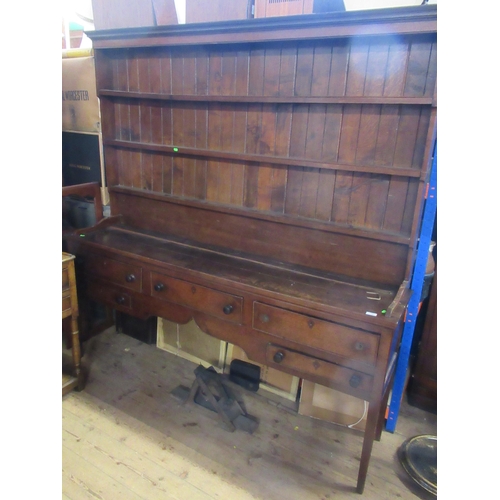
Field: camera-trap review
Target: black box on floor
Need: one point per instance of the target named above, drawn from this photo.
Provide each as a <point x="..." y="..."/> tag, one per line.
<point x="245" y="374"/>
<point x="143" y="330"/>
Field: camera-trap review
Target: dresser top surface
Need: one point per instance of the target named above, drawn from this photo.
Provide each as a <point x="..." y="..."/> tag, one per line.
<point x="281" y="280"/>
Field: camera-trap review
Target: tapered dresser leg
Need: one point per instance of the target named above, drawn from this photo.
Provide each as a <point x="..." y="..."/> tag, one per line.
<point x="371" y="426"/>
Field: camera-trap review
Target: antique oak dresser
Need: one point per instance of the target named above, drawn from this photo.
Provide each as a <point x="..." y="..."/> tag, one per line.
<point x="266" y="179"/>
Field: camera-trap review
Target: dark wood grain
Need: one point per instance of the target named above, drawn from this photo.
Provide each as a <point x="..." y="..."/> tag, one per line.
<point x="375" y="261"/>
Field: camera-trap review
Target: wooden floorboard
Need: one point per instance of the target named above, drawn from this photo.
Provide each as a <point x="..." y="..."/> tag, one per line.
<point x="125" y="436"/>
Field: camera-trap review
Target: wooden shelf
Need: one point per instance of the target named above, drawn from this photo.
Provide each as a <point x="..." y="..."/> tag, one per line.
<point x="273" y="160"/>
<point x="268" y="99"/>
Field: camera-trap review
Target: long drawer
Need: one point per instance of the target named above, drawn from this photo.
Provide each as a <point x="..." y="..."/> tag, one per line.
<point x="328" y="336"/>
<point x="214" y="302"/>
<point x="121" y="273"/>
<point x="352" y="381"/>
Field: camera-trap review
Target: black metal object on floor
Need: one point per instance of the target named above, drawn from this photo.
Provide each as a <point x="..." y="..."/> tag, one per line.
<point x="418" y="456"/>
<point x="212" y="391"/>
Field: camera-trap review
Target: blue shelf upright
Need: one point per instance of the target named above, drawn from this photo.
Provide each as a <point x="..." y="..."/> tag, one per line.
<point x="416" y="286"/>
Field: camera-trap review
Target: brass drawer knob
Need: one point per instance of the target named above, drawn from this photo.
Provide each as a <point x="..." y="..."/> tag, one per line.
<point x="264" y="318"/>
<point x="130" y="278"/>
<point x="278" y="357"/>
<point x="159" y="287"/>
<point x="359" y="346"/>
<point x="120" y="300"/>
<point x="228" y="309"/>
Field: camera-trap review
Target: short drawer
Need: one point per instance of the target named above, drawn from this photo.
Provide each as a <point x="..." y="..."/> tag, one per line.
<point x="309" y="367"/>
<point x="109" y="294"/>
<point x="121" y="273"/>
<point x="66" y="304"/>
<point x="325" y="335"/>
<point x="220" y="304"/>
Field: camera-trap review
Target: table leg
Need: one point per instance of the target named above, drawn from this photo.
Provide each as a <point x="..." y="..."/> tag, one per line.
<point x="76" y="352"/>
<point x="371" y="426"/>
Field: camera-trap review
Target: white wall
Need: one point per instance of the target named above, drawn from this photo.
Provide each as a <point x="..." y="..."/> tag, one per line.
<point x="180" y="7"/>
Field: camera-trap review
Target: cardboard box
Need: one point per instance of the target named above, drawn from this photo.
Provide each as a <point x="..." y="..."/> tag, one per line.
<point x="80" y="106"/>
<point x="191" y="343"/>
<point x="327" y="404"/>
<point x="201" y="11"/>
<point x="272" y="8"/>
<point x="110" y="14"/>
<point x="83" y="159"/>
<point x="273" y="381"/>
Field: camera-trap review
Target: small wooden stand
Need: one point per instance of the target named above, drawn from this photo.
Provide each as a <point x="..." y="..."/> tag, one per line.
<point x="70" y="310"/>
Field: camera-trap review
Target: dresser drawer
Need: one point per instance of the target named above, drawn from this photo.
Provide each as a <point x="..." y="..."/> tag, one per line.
<point x="121" y="273"/>
<point x="66" y="304"/>
<point x="325" y="335"/>
<point x="213" y="302"/>
<point x="308" y="367"/>
<point x="110" y="295"/>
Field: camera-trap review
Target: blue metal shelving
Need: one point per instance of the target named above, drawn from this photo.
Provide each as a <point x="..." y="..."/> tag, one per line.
<point x="416" y="286"/>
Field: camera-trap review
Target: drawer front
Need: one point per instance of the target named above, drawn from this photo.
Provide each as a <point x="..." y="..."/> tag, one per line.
<point x="352" y="381"/>
<point x="66" y="304"/>
<point x="110" y="295"/>
<point x="219" y="304"/>
<point x="121" y="273"/>
<point x="325" y="335"/>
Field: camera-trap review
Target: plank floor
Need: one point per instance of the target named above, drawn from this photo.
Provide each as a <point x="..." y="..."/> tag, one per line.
<point x="125" y="436"/>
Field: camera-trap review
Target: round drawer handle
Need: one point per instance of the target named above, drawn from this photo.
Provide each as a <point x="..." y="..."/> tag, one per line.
<point x="279" y="356"/>
<point x="228" y="309"/>
<point x="355" y="380"/>
<point x="130" y="278"/>
<point x="359" y="346"/>
<point x="120" y="299"/>
<point x="264" y="318"/>
<point x="159" y="287"/>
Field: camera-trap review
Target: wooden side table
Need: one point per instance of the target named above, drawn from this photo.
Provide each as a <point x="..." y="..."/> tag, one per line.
<point x="70" y="310"/>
